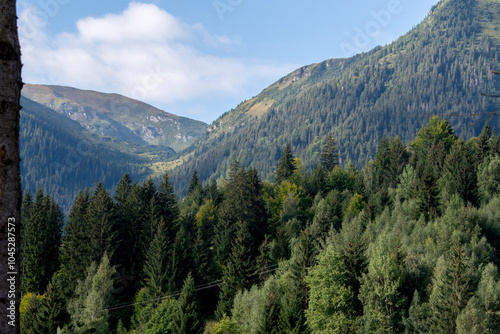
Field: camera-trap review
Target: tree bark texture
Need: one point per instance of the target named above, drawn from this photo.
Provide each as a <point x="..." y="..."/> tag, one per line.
<point x="10" y="176"/>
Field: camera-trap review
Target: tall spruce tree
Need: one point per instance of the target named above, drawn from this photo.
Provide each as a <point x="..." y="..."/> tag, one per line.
<point x="238" y="272"/>
<point x="53" y="314"/>
<point x="329" y="157"/>
<point x="188" y="320"/>
<point x="101" y="223"/>
<point x="286" y="165"/>
<point x="75" y="244"/>
<point x="41" y="236"/>
<point x="155" y="268"/>
<point x="168" y="203"/>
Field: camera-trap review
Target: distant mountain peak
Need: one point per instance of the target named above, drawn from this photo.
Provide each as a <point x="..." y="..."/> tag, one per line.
<point x="118" y="116"/>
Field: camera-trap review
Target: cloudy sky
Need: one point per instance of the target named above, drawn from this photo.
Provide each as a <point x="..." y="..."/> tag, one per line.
<point x="198" y="58"/>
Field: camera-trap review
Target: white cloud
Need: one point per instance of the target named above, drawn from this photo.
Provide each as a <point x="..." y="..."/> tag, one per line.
<point x="143" y="52"/>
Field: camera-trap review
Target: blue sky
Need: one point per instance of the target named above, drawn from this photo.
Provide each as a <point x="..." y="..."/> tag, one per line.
<point x="198" y="58"/>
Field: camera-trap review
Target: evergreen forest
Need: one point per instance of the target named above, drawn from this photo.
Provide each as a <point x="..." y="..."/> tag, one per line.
<point x="407" y="243"/>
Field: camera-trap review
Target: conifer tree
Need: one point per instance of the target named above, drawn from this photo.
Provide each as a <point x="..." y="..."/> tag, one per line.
<point x="53" y="313"/>
<point x="180" y="258"/>
<point x="459" y="173"/>
<point x="188" y="320"/>
<point x="286" y="165"/>
<point x="194" y="183"/>
<point x="293" y="302"/>
<point x="238" y="271"/>
<point x="483" y="147"/>
<point x="149" y="218"/>
<point x="168" y="204"/>
<point x="75" y="244"/>
<point x="329" y="157"/>
<point x="452" y="289"/>
<point x="482" y="313"/>
<point x="41" y="242"/>
<point x="101" y="224"/>
<point x="155" y="268"/>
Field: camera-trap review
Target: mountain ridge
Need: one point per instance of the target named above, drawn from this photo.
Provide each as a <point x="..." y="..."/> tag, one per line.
<point x="439" y="67"/>
<point x="118" y="116"/>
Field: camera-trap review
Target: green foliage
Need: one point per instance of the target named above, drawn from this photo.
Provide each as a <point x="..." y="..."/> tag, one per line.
<point x="155" y="268"/>
<point x="452" y="290"/>
<point x="88" y="309"/>
<point x="329" y="157"/>
<point x="29" y="309"/>
<point x="488" y="176"/>
<point x="356" y="205"/>
<point x="162" y="320"/>
<point x="179" y="316"/>
<point x="481" y="314"/>
<point x="52" y="313"/>
<point x="238" y="272"/>
<point x="226" y="326"/>
<point x="331" y="299"/>
<point x="286" y="165"/>
<point x="380" y="293"/>
<point x="41" y="239"/>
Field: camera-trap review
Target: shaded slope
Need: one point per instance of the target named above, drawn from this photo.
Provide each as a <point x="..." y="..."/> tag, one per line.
<point x="62" y="158"/>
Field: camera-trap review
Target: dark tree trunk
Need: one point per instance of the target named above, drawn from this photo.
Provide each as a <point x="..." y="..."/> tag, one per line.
<point x="10" y="176"/>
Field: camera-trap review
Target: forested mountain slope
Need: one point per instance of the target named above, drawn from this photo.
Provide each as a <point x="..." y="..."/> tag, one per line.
<point x="118" y="116"/>
<point x="439" y="67"/>
<point x="59" y="156"/>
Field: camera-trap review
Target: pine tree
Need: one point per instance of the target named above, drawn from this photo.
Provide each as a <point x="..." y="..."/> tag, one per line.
<point x="286" y="165"/>
<point x="75" y="244"/>
<point x="188" y="320"/>
<point x="126" y="217"/>
<point x="329" y="157"/>
<point x="293" y="302"/>
<point x="242" y="202"/>
<point x="194" y="183"/>
<point x="101" y="223"/>
<point x="459" y="173"/>
<point x="53" y="313"/>
<point x="180" y="259"/>
<point x="148" y="218"/>
<point x="168" y="203"/>
<point x="238" y="271"/>
<point x="483" y="148"/>
<point x="41" y="241"/>
<point x="155" y="268"/>
<point x="452" y="290"/>
<point x="482" y="313"/>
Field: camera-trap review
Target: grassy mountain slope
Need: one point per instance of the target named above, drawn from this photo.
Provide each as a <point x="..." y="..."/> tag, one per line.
<point x="61" y="157"/>
<point x="439" y="67"/>
<point x="117" y="116"/>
